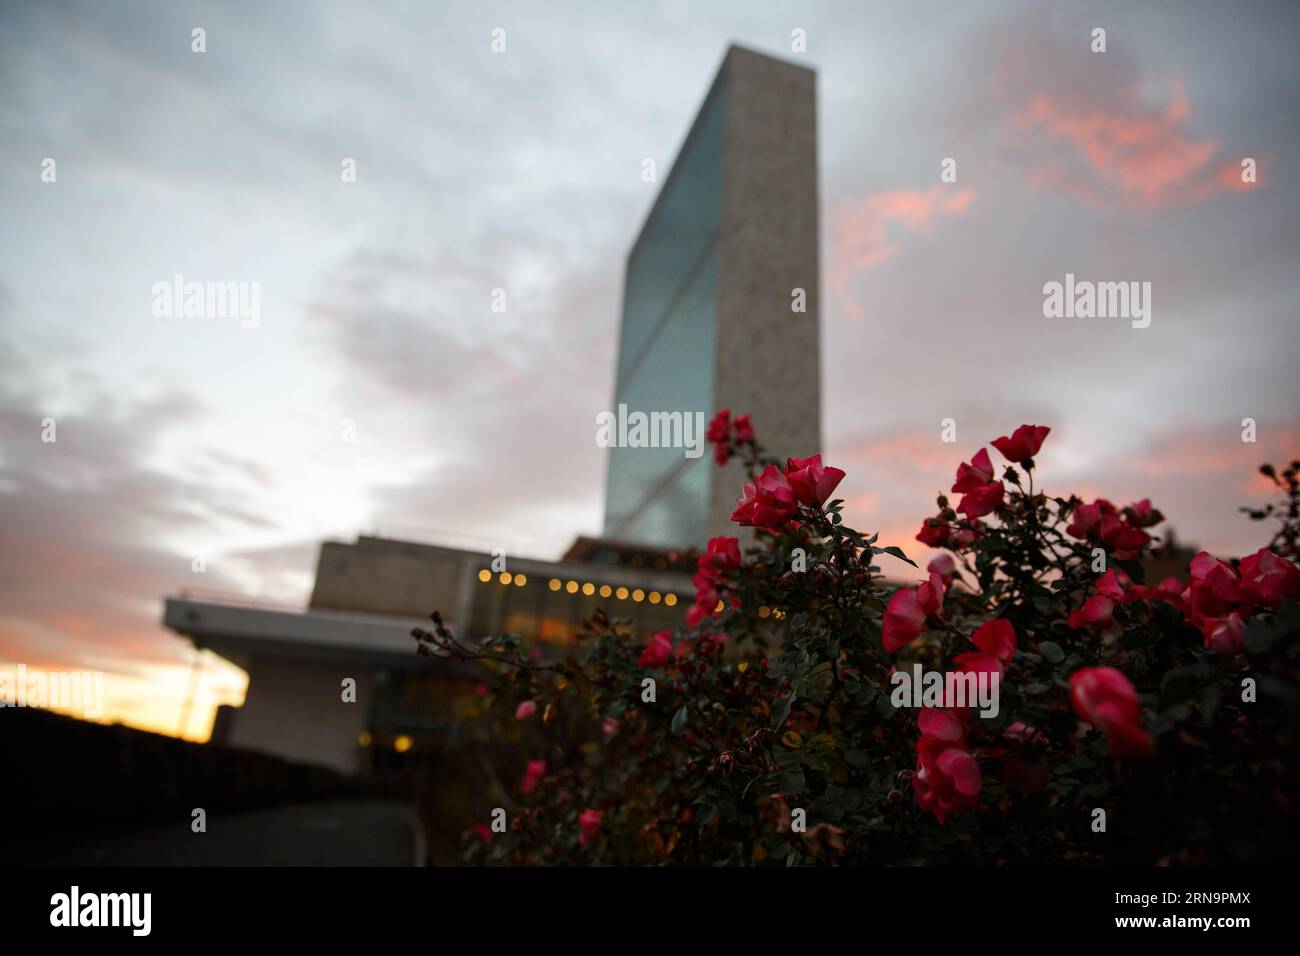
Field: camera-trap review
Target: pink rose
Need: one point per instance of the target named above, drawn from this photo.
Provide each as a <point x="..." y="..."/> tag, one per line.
<point x="658" y="652"/>
<point x="974" y="475"/>
<point x="811" y="481"/>
<point x="982" y="500"/>
<point x="589" y="820"/>
<point x="1023" y="444"/>
<point x="1105" y="698"/>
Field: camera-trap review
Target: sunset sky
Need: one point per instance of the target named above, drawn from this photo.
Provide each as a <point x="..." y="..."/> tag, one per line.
<point x="185" y="438"/>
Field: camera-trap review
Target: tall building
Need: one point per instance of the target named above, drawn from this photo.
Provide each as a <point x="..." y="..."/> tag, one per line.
<point x="710" y="299"/>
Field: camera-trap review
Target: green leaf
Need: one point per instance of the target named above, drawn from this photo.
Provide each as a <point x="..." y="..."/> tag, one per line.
<point x="679" y="720"/>
<point x="856" y="758"/>
<point x="896" y="552"/>
<point x="782" y="711"/>
<point x="1052" y="653"/>
<point x="793" y="782"/>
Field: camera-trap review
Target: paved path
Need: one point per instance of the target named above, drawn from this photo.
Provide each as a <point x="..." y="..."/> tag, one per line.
<point x="333" y="833"/>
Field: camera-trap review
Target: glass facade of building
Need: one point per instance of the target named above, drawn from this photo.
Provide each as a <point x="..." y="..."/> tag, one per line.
<point x="666" y="347"/>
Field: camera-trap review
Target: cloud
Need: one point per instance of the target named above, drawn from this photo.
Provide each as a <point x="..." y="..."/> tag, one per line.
<point x="866" y="232"/>
<point x="497" y="410"/>
<point x="1096" y="127"/>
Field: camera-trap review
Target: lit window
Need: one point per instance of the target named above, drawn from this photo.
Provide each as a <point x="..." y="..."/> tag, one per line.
<point x="504" y="577"/>
<point x="670" y="599"/>
<point x="485" y="575"/>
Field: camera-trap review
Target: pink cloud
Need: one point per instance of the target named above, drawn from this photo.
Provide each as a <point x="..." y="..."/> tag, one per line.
<point x="867" y="232"/>
<point x="1088" y="125"/>
<point x="1142" y="154"/>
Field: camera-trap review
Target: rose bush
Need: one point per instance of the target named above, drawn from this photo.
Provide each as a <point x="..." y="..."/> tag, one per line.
<point x="771" y="737"/>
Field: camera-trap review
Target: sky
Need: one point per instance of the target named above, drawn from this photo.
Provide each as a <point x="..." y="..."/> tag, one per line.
<point x="211" y="455"/>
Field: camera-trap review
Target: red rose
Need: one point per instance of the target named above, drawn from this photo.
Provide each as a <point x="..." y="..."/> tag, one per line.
<point x="981" y="501"/>
<point x="1112" y="584"/>
<point x="811" y="481"/>
<point x="589" y="820"/>
<point x="722" y="555"/>
<point x="1105" y="698"/>
<point x="940" y="729"/>
<point x="903" y="621"/>
<point x="701" y="610"/>
<point x="1126" y="541"/>
<point x="533" y="775"/>
<point x="935" y="533"/>
<point x="905" y="616"/>
<point x="971" y="476"/>
<point x="744" y="430"/>
<point x="1086" y="519"/>
<point x="1142" y="515"/>
<point x="977" y="662"/>
<point x="719" y="427"/>
<point x="1213" y="592"/>
<point x="996" y="638"/>
<point x="947" y="780"/>
<point x="1225" y="635"/>
<point x="1023" y="443"/>
<point x="658" y="652"/>
<point x="767" y="503"/>
<point x="1269" y="579"/>
<point x="1097" y="611"/>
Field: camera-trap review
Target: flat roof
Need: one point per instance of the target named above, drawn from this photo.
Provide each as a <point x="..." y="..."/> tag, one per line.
<point x="238" y="631"/>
